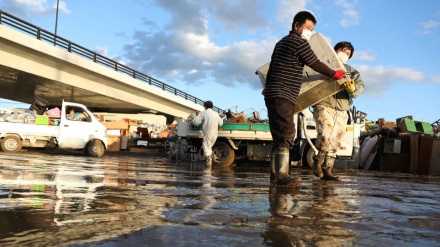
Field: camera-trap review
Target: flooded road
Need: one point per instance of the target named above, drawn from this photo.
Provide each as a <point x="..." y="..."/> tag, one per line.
<point x="137" y="200"/>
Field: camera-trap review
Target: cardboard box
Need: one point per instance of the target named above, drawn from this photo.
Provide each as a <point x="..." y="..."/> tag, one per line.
<point x="116" y="125"/>
<point x="114" y="143"/>
<point x="389" y="125"/>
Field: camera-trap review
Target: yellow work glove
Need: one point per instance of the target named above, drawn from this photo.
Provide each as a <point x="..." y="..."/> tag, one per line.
<point x="349" y="86"/>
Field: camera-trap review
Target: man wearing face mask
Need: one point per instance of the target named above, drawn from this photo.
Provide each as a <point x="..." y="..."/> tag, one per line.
<point x="283" y="83"/>
<point x="331" y="116"/>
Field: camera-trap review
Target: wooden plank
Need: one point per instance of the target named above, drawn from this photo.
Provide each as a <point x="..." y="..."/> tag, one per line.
<point x="145" y="150"/>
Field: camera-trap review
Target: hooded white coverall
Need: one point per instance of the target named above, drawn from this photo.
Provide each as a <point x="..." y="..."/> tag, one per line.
<point x="211" y="121"/>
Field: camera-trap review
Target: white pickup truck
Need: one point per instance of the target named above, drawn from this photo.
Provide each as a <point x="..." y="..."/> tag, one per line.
<point x="253" y="141"/>
<point x="64" y="132"/>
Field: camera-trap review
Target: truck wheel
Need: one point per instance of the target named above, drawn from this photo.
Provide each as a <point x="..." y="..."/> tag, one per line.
<point x="308" y="157"/>
<point x="11" y="144"/>
<point x="222" y="154"/>
<point x="95" y="149"/>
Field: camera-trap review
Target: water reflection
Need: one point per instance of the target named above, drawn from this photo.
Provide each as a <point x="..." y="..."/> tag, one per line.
<point x="43" y="199"/>
<point x="135" y="201"/>
<point x="302" y="220"/>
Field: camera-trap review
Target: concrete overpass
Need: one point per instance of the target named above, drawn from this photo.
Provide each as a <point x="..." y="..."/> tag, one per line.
<point x="35" y="62"/>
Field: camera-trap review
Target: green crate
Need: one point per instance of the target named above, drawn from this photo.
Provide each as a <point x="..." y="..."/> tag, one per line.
<point x="196" y="127"/>
<point x="260" y="126"/>
<point x="42" y="119"/>
<point x="236" y="126"/>
<point x="424" y="128"/>
<point x="408" y="126"/>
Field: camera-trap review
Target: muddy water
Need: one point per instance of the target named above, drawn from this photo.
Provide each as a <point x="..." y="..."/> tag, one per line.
<point x="74" y="200"/>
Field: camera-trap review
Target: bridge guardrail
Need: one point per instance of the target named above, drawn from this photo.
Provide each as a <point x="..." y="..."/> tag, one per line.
<point x="43" y="35"/>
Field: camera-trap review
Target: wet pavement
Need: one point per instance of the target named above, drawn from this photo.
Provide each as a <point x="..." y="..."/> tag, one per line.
<point x="49" y="199"/>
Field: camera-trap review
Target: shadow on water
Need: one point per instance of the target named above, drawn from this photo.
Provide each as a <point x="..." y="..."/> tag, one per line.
<point x="152" y="201"/>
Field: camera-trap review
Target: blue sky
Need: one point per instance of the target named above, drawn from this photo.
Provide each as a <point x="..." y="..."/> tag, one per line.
<point x="211" y="48"/>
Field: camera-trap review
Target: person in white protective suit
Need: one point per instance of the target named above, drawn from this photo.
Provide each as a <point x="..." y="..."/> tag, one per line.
<point x="211" y="122"/>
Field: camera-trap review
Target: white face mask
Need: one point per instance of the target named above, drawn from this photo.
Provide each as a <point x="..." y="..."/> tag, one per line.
<point x="344" y="57"/>
<point x="306" y="34"/>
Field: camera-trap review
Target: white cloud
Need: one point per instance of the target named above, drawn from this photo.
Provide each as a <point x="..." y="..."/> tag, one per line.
<point x="101" y="50"/>
<point x="430" y="24"/>
<point x="379" y="79"/>
<point x="286" y="10"/>
<point x="186" y="16"/>
<point x="427" y="27"/>
<point x="364" y="56"/>
<point x="31" y="8"/>
<point x="39" y="4"/>
<point x="350" y="16"/>
<point x="238" y="15"/>
<point x="197" y="53"/>
<point x="63" y="7"/>
<point x="346" y="3"/>
<point x="435" y="78"/>
<point x="187" y="53"/>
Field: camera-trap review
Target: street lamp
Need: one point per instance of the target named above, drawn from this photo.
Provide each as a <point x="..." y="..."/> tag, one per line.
<point x="56" y="23"/>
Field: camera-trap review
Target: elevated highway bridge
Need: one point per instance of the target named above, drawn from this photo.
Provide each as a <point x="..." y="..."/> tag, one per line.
<point x="37" y="63"/>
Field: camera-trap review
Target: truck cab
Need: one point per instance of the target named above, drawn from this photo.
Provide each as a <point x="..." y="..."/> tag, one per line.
<point x="73" y="127"/>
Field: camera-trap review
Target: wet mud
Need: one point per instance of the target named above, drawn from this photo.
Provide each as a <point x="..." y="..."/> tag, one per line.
<point x="51" y="199"/>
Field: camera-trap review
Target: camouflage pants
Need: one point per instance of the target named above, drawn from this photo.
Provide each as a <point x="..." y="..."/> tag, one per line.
<point x="331" y="126"/>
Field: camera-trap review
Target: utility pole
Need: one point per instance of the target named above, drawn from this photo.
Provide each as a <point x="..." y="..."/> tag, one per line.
<point x="56" y="24"/>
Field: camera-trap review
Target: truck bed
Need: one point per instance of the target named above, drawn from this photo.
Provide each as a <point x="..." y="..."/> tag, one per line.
<point x="28" y="129"/>
<point x="236" y="131"/>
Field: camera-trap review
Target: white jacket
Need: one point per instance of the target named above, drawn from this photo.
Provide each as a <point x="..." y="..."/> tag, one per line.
<point x="210" y="119"/>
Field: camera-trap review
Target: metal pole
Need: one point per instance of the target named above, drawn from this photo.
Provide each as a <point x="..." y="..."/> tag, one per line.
<point x="56" y="24"/>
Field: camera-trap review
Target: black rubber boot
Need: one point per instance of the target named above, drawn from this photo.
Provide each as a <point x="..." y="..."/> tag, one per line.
<point x="327" y="170"/>
<point x="273" y="175"/>
<point x="317" y="170"/>
<point x="281" y="161"/>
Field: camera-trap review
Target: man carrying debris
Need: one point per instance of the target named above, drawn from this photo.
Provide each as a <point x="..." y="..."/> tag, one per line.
<point x="331" y="116"/>
<point x="283" y="83"/>
<point x="211" y="121"/>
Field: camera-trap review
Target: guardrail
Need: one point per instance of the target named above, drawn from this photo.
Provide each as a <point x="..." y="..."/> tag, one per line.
<point x="43" y="35"/>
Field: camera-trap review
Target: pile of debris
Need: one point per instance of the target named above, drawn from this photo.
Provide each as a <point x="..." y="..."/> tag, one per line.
<point x="241" y="117"/>
<point x="407" y="145"/>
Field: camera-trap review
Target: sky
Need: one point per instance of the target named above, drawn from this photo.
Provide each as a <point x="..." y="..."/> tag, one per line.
<point x="212" y="48"/>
